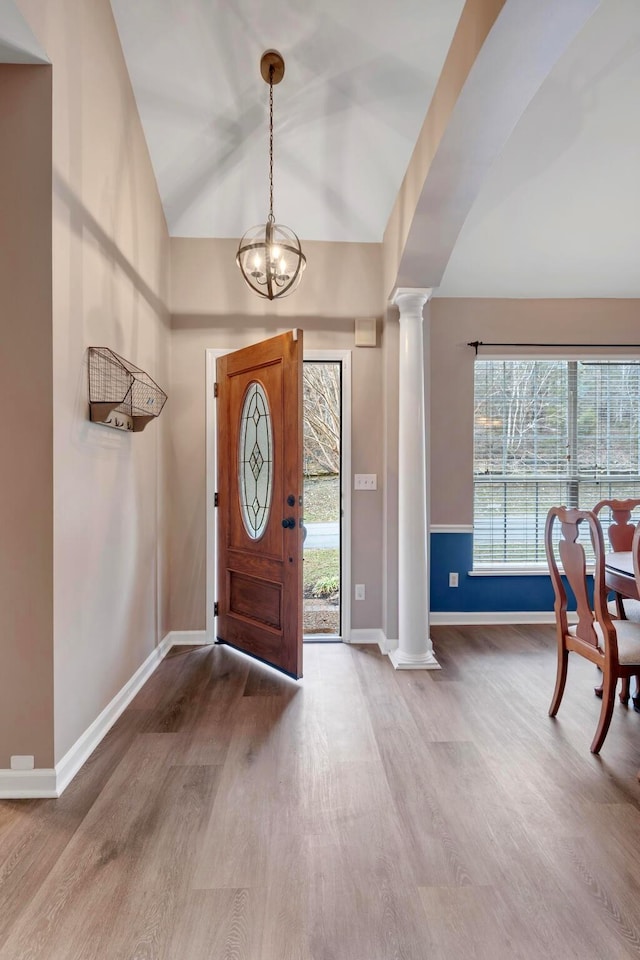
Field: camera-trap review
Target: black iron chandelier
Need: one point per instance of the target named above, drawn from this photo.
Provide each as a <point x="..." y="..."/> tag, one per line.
<point x="270" y="256"/>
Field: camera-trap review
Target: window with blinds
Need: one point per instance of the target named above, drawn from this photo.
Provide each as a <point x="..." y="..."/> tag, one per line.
<point x="548" y="432"/>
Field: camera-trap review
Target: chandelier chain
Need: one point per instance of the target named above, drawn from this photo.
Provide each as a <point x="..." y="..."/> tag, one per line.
<point x="269" y="256"/>
<point x="271" y="68"/>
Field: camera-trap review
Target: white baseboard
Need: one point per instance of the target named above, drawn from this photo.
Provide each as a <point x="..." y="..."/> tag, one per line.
<point x="27" y="784"/>
<point x="45" y="783"/>
<point x="188" y="638"/>
<point x="84" y="746"/>
<point x="460" y="618"/>
<point x="388" y="648"/>
<point x="368" y="635"/>
<point x="471" y="618"/>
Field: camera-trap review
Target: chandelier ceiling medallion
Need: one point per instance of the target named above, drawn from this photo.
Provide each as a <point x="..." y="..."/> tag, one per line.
<point x="270" y="256"/>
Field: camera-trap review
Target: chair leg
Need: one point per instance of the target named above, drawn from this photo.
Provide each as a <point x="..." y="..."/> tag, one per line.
<point x="624" y="690"/>
<point x="598" y="690"/>
<point x="561" y="679"/>
<point x="606" y="710"/>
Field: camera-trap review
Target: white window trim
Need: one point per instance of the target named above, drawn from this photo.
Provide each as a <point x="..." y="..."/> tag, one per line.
<point x="535" y="570"/>
<point x="511" y="570"/>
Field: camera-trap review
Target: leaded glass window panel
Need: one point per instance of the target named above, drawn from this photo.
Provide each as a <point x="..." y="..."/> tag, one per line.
<point x="255" y="461"/>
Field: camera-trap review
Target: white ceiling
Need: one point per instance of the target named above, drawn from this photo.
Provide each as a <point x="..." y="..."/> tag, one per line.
<point x="17" y="42"/>
<point x="558" y="213"/>
<point x="359" y="78"/>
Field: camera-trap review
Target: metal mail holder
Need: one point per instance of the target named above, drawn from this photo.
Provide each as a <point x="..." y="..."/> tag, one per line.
<point x="121" y="395"/>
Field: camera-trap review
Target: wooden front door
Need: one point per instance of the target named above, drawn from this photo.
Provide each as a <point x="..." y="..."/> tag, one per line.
<point x="259" y="392"/>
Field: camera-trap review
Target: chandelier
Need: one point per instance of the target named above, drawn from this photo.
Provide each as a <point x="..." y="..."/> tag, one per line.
<point x="270" y="256"/>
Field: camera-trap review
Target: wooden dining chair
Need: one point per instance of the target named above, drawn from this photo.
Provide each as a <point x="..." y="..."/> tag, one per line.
<point x="620" y="533"/>
<point x="612" y="644"/>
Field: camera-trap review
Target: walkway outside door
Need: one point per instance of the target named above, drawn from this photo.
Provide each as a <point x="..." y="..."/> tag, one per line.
<point x="260" y="501"/>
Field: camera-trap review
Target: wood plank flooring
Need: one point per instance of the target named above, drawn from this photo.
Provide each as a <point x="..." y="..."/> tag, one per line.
<point x="360" y="814"/>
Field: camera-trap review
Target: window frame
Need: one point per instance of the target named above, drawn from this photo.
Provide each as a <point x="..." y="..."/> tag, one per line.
<point x="566" y="355"/>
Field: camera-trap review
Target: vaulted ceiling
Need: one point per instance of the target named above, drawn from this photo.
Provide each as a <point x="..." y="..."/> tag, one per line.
<point x="358" y="80"/>
<point x="556" y="214"/>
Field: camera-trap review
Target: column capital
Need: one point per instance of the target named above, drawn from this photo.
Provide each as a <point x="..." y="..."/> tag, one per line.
<point x="410" y="299"/>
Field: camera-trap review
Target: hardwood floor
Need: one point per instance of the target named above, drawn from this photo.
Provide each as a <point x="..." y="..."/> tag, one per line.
<point x="361" y="814"/>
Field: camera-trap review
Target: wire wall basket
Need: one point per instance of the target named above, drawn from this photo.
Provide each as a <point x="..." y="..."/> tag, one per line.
<point x="121" y="395"/>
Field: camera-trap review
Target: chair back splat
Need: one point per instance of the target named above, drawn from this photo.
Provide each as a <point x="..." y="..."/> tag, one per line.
<point x="574" y="562"/>
<point x="621" y="529"/>
<point x="620" y="532"/>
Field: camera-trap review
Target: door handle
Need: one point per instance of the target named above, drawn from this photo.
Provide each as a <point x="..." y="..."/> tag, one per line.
<point x="289" y="522"/>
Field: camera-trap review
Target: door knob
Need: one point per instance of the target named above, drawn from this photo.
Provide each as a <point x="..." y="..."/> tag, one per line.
<point x="289" y="522"/>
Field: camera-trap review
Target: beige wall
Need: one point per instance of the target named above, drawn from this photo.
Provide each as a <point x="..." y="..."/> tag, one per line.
<point x="341" y="280"/>
<point x="26" y="484"/>
<point x="211" y="309"/>
<point x="454" y="323"/>
<point x="110" y="269"/>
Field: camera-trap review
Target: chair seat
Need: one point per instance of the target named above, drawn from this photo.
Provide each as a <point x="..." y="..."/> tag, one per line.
<point x="628" y="634"/>
<point x="631" y="609"/>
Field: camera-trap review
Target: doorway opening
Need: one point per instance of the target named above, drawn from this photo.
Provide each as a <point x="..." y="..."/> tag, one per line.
<point x="322" y="469"/>
<point x="340" y="359"/>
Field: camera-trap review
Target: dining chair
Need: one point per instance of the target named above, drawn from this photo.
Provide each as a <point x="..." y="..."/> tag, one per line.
<point x="612" y="644"/>
<point x="620" y="533"/>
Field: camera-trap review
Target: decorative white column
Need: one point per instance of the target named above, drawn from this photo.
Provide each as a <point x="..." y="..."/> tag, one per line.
<point x="414" y="650"/>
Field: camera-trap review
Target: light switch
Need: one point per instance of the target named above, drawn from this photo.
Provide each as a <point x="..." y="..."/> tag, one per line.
<point x="365" y="481"/>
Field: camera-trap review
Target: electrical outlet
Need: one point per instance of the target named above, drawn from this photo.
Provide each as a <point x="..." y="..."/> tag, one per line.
<point x="360" y="591"/>
<point x="453" y="579"/>
<point x="21" y="763"/>
<point x="365" y="481"/>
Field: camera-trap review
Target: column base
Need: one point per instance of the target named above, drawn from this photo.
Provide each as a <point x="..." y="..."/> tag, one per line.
<point x="413" y="661"/>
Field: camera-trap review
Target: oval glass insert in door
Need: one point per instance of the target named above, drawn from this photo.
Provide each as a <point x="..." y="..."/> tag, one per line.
<point x="255" y="461"/>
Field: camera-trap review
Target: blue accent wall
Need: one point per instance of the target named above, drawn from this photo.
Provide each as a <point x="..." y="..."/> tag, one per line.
<point x="454" y="552"/>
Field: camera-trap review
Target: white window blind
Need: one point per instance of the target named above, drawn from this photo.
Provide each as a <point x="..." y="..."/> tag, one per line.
<point x="549" y="432"/>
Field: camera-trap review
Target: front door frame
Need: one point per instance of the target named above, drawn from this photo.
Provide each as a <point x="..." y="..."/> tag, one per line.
<point x="211" y="355"/>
